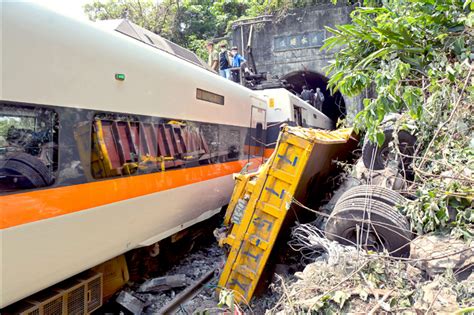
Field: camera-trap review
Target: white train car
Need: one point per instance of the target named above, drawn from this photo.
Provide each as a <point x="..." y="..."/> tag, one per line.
<point x="286" y="108"/>
<point x="106" y="144"/>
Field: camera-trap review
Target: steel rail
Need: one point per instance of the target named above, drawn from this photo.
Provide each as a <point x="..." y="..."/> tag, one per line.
<point x="187" y="294"/>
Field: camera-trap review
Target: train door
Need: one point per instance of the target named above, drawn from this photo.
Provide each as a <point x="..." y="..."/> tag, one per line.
<point x="298" y="115"/>
<point x="257" y="132"/>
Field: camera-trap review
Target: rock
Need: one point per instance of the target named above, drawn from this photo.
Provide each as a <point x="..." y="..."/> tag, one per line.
<point x="469" y="281"/>
<point x="130" y="302"/>
<point x="163" y="283"/>
<point x="437" y="297"/>
<point x="413" y="272"/>
<point x="427" y="248"/>
<point x="360" y="170"/>
<point x="468" y="285"/>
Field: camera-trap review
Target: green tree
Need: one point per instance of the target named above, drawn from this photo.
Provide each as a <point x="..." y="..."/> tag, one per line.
<point x="186" y="22"/>
<point x="190" y="23"/>
<point x="278" y="7"/>
<point x="151" y="15"/>
<point x="417" y="56"/>
<point x="399" y="48"/>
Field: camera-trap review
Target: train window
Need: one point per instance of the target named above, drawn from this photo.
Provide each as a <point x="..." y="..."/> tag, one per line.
<point x="136" y="145"/>
<point x="209" y="97"/>
<point x="115" y="145"/>
<point x="231" y="142"/>
<point x="28" y="147"/>
<point x="259" y="131"/>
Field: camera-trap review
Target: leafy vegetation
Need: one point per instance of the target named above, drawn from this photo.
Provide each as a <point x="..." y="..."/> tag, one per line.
<point x="6" y="122"/>
<point x="189" y="23"/>
<point x="416" y="58"/>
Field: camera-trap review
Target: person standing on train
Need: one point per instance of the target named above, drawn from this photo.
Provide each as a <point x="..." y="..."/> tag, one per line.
<point x="237" y="61"/>
<point x="318" y="99"/>
<point x="224" y="62"/>
<point x="213" y="59"/>
<point x="307" y="94"/>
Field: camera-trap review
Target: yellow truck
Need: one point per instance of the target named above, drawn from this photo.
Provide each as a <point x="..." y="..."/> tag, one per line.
<point x="261" y="200"/>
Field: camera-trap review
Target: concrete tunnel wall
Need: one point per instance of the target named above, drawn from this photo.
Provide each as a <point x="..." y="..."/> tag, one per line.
<point x="290" y="46"/>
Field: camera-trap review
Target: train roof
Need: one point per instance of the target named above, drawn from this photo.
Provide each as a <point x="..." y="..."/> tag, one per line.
<point x="143" y="35"/>
<point x="60" y="61"/>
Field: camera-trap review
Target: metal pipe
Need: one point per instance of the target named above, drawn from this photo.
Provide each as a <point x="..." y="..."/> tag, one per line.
<point x="242" y="40"/>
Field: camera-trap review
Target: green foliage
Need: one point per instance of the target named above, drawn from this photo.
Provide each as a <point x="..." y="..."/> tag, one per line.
<point x="226" y="12"/>
<point x="436" y="210"/>
<point x="445" y="191"/>
<point x="190" y="23"/>
<point x="226" y="298"/>
<point x="278" y="7"/>
<point x="145" y="13"/>
<point x="416" y="58"/>
<point x="397" y="49"/>
<point x="198" y="46"/>
<point x="23" y="123"/>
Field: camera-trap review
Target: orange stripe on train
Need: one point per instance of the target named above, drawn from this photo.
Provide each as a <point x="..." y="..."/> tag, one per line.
<point x="38" y="205"/>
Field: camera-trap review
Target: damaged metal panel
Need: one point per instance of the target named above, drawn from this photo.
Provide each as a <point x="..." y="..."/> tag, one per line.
<point x="261" y="200"/>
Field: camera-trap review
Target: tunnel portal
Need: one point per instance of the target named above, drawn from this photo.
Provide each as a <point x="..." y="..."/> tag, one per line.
<point x="334" y="106"/>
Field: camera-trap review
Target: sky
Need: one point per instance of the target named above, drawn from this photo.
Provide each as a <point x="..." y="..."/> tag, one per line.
<point x="67" y="7"/>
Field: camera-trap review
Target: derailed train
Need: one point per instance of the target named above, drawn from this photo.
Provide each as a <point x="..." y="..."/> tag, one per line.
<point x="109" y="143"/>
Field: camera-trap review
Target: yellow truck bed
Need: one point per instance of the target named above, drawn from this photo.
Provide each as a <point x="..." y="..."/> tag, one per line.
<point x="261" y="200"/>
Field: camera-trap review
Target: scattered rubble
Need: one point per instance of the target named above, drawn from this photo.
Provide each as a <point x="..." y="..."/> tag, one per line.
<point x="152" y="295"/>
<point x="343" y="279"/>
<point x="437" y="295"/>
<point x="437" y="277"/>
<point x="129" y="302"/>
<point x="163" y="283"/>
<point x="458" y="254"/>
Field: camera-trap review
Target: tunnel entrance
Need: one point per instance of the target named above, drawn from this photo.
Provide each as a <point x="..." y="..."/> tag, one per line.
<point x="334" y="106"/>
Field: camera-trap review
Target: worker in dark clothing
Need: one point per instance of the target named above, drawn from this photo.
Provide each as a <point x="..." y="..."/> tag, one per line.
<point x="224" y="62"/>
<point x="307" y="95"/>
<point x="318" y="99"/>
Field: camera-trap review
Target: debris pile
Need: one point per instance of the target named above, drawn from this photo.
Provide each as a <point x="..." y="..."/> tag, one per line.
<point x="152" y="295"/>
<point x="345" y="279"/>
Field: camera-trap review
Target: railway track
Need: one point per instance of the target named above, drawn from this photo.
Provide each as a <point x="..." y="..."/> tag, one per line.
<point x="188" y="286"/>
<point x="189" y="293"/>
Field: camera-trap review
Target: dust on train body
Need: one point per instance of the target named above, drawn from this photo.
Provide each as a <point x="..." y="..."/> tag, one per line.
<point x="106" y="145"/>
